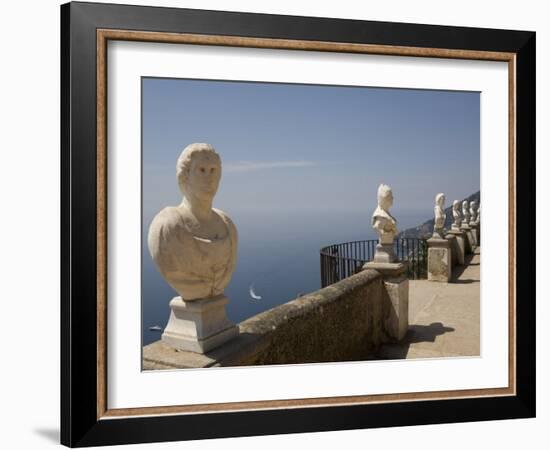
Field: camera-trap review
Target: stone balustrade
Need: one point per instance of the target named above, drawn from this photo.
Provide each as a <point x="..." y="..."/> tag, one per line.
<point x="345" y="321"/>
<point x="462" y="239"/>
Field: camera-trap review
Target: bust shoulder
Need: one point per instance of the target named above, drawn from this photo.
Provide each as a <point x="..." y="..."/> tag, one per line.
<point x="227" y="221"/>
<point x="165" y="228"/>
<point x="380" y="215"/>
<point x="168" y="220"/>
<point x="169" y="216"/>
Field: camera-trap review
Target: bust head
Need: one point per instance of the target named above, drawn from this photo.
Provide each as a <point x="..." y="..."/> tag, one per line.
<point x="465" y="205"/>
<point x="440" y="200"/>
<point x="199" y="171"/>
<point x="456" y="205"/>
<point x="385" y="197"/>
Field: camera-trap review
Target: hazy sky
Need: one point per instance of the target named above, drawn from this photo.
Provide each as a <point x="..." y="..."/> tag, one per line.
<point x="316" y="148"/>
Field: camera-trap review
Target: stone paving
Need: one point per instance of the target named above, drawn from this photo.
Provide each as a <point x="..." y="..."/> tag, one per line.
<point x="443" y="317"/>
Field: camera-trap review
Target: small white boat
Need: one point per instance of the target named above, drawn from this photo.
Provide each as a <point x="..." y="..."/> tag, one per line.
<point x="155" y="328"/>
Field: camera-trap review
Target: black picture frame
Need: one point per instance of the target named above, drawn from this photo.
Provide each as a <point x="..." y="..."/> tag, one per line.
<point x="81" y="424"/>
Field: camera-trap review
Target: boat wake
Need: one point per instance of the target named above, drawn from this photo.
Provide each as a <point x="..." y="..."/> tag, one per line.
<point x="253" y="294"/>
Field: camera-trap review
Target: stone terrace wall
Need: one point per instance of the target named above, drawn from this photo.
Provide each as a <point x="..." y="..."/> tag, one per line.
<point x="342" y="322"/>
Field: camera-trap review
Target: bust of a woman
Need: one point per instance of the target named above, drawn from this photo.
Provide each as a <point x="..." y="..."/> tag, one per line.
<point x="194" y="245"/>
<point x="439" y="214"/>
<point x="456" y="215"/>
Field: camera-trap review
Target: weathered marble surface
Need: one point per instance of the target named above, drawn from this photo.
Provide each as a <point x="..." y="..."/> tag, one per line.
<point x="470" y="241"/>
<point x="396" y="284"/>
<point x="453" y="245"/>
<point x="466" y="212"/>
<point x="194" y="247"/>
<point x="473" y="212"/>
<point x="470" y="238"/>
<point x="439" y="260"/>
<point x="473" y="222"/>
<point x="198" y="326"/>
<point x="439" y="213"/>
<point x="460" y="247"/>
<point x="385" y="225"/>
<point x="456" y="216"/>
<point x="397" y="290"/>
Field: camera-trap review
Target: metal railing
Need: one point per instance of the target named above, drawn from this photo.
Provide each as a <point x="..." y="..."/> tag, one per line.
<point x="339" y="261"/>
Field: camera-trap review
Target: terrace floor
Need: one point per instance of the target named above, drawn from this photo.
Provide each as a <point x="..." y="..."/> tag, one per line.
<point x="443" y="317"/>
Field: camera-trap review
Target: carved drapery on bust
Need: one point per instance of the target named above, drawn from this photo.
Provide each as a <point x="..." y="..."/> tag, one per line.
<point x="194" y="246"/>
<point x="439" y="213"/>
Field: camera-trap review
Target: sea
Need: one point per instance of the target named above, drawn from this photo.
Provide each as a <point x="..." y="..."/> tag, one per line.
<point x="278" y="256"/>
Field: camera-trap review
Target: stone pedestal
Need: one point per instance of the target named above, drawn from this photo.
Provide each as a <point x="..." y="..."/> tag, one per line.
<point x="439" y="260"/>
<point x="384" y="253"/>
<point x="396" y="286"/>
<point x="469" y="245"/>
<point x="477" y="231"/>
<point x="198" y="325"/>
<point x="473" y="230"/>
<point x="460" y="245"/>
<point x="453" y="245"/>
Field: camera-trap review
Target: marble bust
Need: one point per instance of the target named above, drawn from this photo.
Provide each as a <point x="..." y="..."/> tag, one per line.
<point x="193" y="245"/>
<point x="385" y="262"/>
<point x="385" y="225"/>
<point x="465" y="212"/>
<point x="456" y="216"/>
<point x="478" y="216"/>
<point x="382" y="221"/>
<point x="473" y="212"/>
<point x="439" y="213"/>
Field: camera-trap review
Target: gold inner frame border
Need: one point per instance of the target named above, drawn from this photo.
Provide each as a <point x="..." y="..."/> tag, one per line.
<point x="104" y="35"/>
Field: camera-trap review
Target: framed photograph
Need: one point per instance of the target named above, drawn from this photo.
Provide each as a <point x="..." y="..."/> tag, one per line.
<point x="272" y="224"/>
